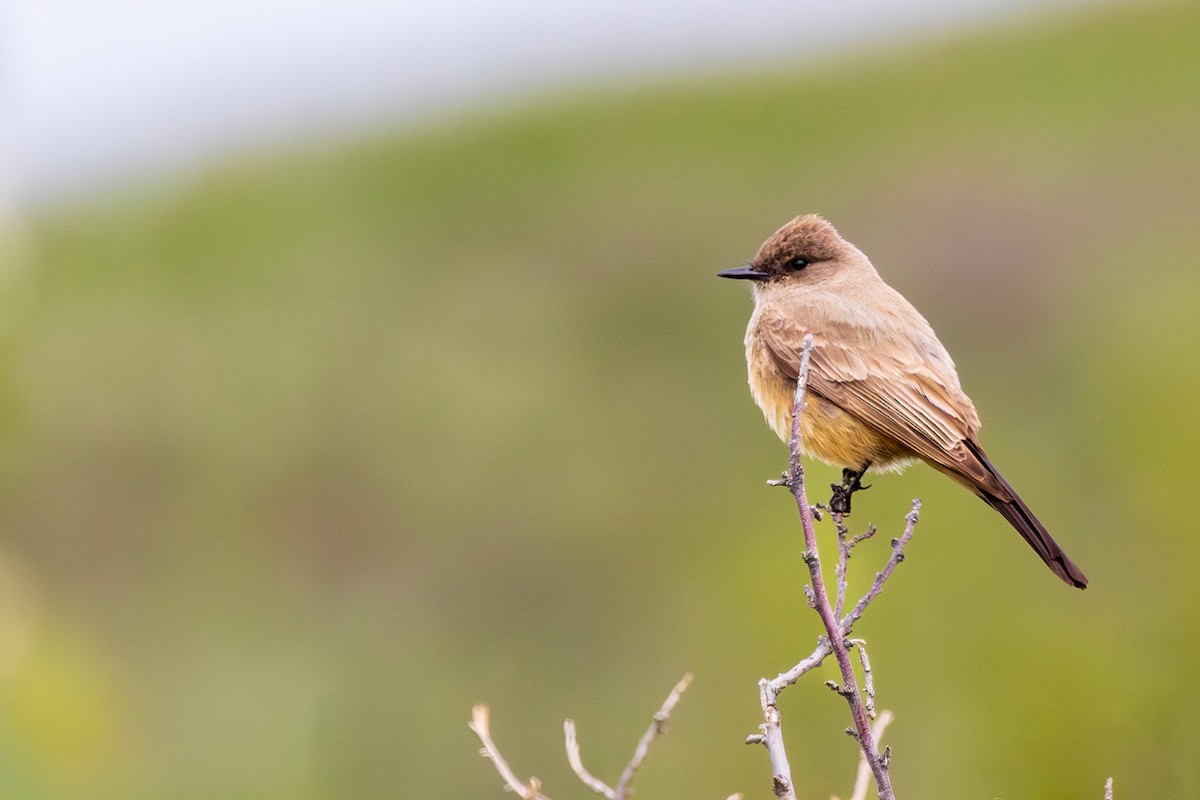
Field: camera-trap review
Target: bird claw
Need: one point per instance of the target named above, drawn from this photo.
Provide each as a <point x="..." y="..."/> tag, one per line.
<point x="851" y="483"/>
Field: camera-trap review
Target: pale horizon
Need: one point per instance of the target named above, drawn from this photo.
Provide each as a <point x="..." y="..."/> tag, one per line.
<point x="104" y="96"/>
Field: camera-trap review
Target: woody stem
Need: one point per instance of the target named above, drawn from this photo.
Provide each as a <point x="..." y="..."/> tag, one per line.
<point x="820" y="597"/>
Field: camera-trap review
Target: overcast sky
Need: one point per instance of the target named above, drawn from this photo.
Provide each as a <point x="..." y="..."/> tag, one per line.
<point x="102" y="91"/>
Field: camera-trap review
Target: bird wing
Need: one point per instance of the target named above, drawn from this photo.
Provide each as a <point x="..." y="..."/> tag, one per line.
<point x="902" y="387"/>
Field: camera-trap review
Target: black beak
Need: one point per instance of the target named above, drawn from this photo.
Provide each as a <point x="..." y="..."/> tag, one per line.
<point x="745" y="273"/>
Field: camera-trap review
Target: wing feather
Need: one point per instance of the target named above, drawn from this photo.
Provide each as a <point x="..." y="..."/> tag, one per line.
<point x="890" y="384"/>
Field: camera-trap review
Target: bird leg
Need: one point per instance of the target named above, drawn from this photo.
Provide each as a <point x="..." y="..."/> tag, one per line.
<point x="851" y="483"/>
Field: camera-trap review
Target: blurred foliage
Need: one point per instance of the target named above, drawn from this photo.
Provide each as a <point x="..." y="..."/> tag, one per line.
<point x="304" y="456"/>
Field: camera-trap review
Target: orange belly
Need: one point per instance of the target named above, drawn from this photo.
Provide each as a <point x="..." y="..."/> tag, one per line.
<point x="827" y="432"/>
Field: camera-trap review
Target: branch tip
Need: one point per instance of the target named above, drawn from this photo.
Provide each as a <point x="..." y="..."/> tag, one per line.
<point x="657" y="728"/>
<point x="575" y="759"/>
<point x="479" y="719"/>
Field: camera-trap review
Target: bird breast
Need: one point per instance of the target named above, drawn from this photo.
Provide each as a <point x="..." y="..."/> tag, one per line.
<point x="827" y="432"/>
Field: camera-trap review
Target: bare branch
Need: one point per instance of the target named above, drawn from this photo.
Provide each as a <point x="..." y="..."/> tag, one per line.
<point x="785" y="679"/>
<point x="576" y="761"/>
<point x="772" y="736"/>
<point x="479" y="724"/>
<point x="656" y="729"/>
<point x="533" y="789"/>
<point x="846" y="543"/>
<point x="835" y="642"/>
<point x="833" y="629"/>
<point x="836" y="627"/>
<point x="862" y="537"/>
<point x="881" y="577"/>
<point x="862" y="779"/>
<point x="868" y="678"/>
<point x="843" y="563"/>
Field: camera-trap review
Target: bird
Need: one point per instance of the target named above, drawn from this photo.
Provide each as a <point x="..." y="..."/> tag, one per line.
<point x="882" y="390"/>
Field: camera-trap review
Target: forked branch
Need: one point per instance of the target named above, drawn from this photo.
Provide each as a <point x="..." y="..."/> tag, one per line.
<point x="837" y="625"/>
<point x="532" y="789"/>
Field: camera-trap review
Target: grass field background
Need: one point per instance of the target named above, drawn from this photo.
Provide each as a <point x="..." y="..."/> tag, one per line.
<point x="303" y="456"/>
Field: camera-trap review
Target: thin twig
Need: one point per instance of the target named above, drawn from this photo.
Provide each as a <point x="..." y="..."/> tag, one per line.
<point x="657" y="728"/>
<point x="771" y="730"/>
<point x="850" y="690"/>
<point x="846" y="543"/>
<point x="862" y="537"/>
<point x="533" y="789"/>
<point x="785" y="679"/>
<point x="847" y="622"/>
<point x="479" y="724"/>
<point x="820" y="596"/>
<point x="862" y="778"/>
<point x="772" y="738"/>
<point x="795" y="474"/>
<point x="576" y="761"/>
<point x="843" y="563"/>
<point x="868" y="678"/>
<point x="772" y="727"/>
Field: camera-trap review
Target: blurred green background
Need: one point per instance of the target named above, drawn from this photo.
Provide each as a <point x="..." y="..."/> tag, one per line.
<point x="303" y="457"/>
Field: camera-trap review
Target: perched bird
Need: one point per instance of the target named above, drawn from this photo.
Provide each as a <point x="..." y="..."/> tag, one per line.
<point x="882" y="390"/>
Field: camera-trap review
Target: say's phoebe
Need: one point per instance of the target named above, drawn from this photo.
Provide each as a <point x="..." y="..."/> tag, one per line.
<point x="882" y="390"/>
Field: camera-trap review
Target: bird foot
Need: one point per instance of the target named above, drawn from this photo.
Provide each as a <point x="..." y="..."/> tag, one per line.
<point x="851" y="483"/>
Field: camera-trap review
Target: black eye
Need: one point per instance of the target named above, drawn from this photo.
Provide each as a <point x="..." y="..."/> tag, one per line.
<point x="798" y="264"/>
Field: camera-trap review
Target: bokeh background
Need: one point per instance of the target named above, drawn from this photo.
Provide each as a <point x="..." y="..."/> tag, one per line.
<point x="308" y="442"/>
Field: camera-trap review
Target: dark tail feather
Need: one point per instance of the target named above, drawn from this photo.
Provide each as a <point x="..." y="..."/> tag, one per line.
<point x="1031" y="530"/>
<point x="1020" y="517"/>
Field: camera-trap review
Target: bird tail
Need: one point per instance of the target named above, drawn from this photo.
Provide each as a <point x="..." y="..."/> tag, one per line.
<point x="1013" y="509"/>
